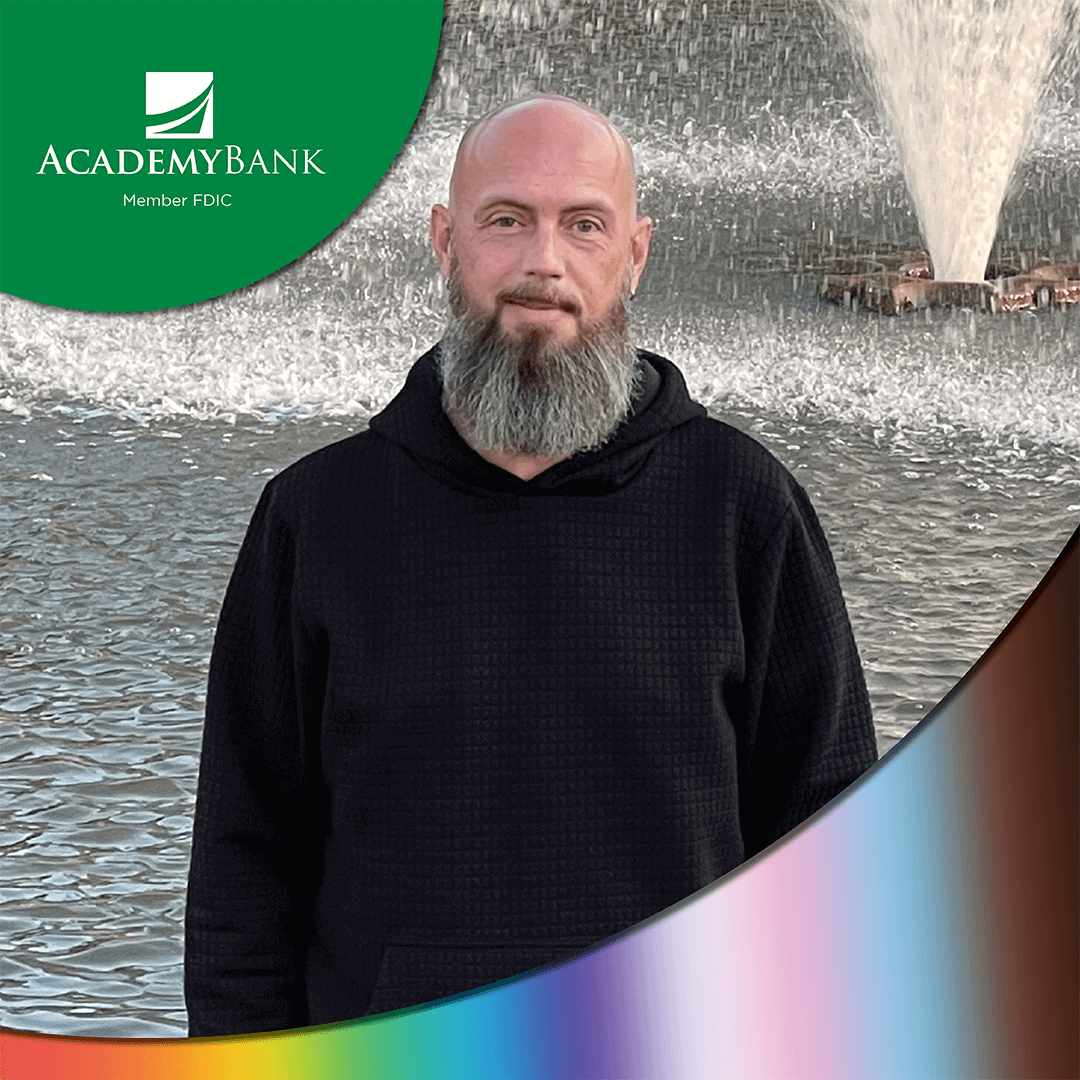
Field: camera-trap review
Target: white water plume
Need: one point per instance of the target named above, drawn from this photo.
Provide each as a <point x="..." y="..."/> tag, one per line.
<point x="961" y="82"/>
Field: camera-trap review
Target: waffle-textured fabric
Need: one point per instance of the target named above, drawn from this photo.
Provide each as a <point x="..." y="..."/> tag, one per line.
<point x="459" y="725"/>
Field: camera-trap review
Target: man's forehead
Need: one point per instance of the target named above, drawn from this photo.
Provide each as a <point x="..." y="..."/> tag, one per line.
<point x="545" y="138"/>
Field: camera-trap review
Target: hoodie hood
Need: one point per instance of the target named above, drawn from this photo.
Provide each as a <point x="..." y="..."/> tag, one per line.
<point x="415" y="421"/>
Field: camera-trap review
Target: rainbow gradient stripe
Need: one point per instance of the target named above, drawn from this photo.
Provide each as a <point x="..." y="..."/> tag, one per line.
<point x="924" y="924"/>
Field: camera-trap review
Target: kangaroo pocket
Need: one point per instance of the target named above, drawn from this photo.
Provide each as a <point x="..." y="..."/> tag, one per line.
<point x="412" y="974"/>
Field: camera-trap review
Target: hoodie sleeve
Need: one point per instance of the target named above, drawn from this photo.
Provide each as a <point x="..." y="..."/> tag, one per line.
<point x="256" y="832"/>
<point x="811" y="731"/>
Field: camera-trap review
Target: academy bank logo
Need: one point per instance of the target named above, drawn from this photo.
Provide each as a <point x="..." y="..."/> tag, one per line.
<point x="179" y="104"/>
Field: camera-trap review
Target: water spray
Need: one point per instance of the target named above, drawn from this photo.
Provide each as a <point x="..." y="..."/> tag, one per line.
<point x="961" y="83"/>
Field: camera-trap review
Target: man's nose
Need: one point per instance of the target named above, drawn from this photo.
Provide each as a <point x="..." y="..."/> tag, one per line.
<point x="543" y="255"/>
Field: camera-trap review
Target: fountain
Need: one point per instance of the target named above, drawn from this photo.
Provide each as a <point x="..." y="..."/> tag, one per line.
<point x="894" y="283"/>
<point x="961" y="82"/>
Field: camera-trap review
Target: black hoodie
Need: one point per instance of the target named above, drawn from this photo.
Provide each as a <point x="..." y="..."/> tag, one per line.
<point x="459" y="724"/>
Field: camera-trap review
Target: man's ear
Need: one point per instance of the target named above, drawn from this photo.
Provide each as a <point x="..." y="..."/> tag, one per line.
<point x="441" y="238"/>
<point x="640" y="237"/>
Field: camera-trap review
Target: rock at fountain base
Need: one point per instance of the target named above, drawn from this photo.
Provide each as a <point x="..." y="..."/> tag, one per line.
<point x="908" y="286"/>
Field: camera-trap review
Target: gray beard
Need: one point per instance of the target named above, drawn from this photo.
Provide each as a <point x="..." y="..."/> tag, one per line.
<point x="527" y="396"/>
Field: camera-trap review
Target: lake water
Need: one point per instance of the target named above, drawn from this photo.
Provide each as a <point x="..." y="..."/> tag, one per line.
<point x="942" y="452"/>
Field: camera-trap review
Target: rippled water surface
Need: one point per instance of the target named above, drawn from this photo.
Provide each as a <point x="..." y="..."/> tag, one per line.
<point x="942" y="452"/>
<point x="113" y="566"/>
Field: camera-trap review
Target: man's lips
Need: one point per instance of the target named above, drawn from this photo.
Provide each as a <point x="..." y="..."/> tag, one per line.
<point x="536" y="305"/>
<point x="539" y="303"/>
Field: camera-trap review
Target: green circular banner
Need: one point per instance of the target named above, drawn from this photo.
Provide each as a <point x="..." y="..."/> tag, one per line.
<point x="157" y="154"/>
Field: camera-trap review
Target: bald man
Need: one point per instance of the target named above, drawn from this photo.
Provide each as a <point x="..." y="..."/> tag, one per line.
<point x="543" y="651"/>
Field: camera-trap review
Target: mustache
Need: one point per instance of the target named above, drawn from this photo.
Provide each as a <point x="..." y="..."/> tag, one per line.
<point x="526" y="292"/>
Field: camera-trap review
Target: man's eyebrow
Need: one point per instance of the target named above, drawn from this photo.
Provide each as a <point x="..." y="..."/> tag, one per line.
<point x="498" y="202"/>
<point x="590" y="208"/>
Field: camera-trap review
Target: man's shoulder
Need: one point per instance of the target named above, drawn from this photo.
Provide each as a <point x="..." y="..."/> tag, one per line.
<point x="731" y="440"/>
<point x="740" y="479"/>
<point x="321" y="474"/>
<point x="355" y="446"/>
<point x="736" y="456"/>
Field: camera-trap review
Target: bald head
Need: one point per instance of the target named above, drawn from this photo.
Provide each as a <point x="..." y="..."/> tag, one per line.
<point x="539" y="116"/>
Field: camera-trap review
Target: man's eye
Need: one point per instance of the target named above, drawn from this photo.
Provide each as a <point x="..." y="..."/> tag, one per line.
<point x="585" y="226"/>
<point x="506" y="222"/>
